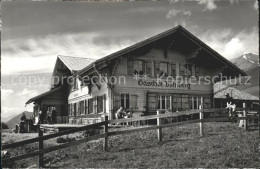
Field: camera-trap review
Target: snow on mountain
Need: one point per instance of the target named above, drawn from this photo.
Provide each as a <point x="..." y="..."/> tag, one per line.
<point x="247" y="61"/>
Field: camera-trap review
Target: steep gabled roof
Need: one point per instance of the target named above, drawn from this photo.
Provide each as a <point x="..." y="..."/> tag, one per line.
<point x="180" y="29"/>
<point x="220" y="90"/>
<point x="75" y="63"/>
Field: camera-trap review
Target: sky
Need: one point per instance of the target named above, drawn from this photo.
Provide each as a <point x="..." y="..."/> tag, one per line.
<point x="34" y="33"/>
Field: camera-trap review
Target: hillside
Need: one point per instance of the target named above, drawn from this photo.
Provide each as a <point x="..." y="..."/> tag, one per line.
<point x="224" y="145"/>
<point x="250" y="64"/>
<point x="16" y="120"/>
<point x="247" y="61"/>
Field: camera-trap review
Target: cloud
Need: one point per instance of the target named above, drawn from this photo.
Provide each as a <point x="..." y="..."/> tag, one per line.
<point x="6" y="92"/>
<point x="175" y="12"/>
<point x="27" y="93"/>
<point x="256" y="5"/>
<point x="39" y="54"/>
<point x="229" y="43"/>
<point x="208" y="4"/>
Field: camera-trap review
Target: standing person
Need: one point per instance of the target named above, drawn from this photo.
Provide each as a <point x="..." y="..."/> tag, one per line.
<point x="22" y="123"/>
<point x="231" y="106"/>
<point x="49" y="116"/>
<point x="41" y="118"/>
<point x="54" y="116"/>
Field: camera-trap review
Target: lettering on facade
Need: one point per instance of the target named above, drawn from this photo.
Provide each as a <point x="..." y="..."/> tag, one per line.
<point x="154" y="83"/>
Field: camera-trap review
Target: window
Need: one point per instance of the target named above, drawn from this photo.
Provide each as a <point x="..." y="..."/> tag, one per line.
<point x="125" y="101"/>
<point x="74" y="109"/>
<point x="138" y="67"/>
<point x="90" y="106"/>
<point x="86" y="106"/>
<point x="164" y="102"/>
<point x="163" y="69"/>
<point x="195" y="102"/>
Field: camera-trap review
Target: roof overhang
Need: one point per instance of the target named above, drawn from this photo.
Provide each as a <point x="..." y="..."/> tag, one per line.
<point x="155" y="38"/>
<point x="41" y="96"/>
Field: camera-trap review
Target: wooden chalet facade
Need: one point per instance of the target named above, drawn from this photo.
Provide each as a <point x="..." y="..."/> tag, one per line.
<point x="122" y="82"/>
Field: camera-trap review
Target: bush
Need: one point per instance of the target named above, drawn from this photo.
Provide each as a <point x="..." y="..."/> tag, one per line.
<point x="4" y="125"/>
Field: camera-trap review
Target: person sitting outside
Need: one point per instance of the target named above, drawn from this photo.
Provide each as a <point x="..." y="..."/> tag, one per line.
<point x="49" y="116"/>
<point x="231" y="106"/>
<point x="120" y="113"/>
<point x="54" y="116"/>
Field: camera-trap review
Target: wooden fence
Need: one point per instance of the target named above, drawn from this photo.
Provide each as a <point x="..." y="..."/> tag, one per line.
<point x="105" y="135"/>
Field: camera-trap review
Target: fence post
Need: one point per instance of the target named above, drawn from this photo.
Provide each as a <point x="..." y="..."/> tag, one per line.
<point x="105" y="141"/>
<point x="201" y="118"/>
<point x="41" y="156"/>
<point x="159" y="131"/>
<point x="245" y="115"/>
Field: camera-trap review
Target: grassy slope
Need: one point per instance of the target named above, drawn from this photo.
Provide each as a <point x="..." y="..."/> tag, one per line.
<point x="224" y="145"/>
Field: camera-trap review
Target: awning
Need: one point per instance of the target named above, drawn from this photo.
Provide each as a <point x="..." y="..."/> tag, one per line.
<point x="43" y="95"/>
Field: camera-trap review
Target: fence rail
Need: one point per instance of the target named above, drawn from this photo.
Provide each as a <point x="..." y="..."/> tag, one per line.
<point x="106" y="133"/>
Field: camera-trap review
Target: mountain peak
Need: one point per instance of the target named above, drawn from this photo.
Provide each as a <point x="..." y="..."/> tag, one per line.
<point x="246" y="61"/>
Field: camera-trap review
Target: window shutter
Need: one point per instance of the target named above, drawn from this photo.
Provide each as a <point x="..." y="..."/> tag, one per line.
<point x="133" y="102"/>
<point x="95" y="105"/>
<point x="86" y="106"/>
<point x="78" y="108"/>
<point x="193" y="71"/>
<point x="130" y="66"/>
<point x="177" y="68"/>
<point x="104" y="103"/>
<point x="156" y="68"/>
<point x="117" y="101"/>
<point x="197" y="70"/>
<point x="151" y="101"/>
<point x="69" y="108"/>
<point x="169" y="69"/>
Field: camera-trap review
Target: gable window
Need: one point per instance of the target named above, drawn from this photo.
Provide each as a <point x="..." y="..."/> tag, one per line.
<point x="135" y="66"/>
<point x="138" y="67"/>
<point x="163" y="69"/>
<point x="125" y="101"/>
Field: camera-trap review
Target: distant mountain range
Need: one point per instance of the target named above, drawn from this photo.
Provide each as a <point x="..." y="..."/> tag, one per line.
<point x="16" y="120"/>
<point x="250" y="64"/>
<point x="247" y="61"/>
